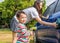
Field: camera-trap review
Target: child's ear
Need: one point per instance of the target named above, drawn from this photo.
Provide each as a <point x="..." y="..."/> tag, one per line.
<point x="18" y="18"/>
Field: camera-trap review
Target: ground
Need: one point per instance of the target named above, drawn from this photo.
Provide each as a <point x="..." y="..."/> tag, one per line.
<point x="5" y="36"/>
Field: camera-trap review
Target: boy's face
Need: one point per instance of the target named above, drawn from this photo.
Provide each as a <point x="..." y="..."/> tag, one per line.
<point x="22" y="18"/>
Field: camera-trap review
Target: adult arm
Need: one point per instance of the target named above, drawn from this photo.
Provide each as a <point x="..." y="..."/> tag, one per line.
<point x="35" y="15"/>
<point x="45" y="17"/>
<point x="45" y="23"/>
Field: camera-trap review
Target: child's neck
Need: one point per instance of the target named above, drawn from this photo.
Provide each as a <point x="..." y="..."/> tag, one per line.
<point x="21" y="23"/>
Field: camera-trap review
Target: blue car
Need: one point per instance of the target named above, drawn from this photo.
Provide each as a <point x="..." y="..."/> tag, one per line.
<point x="48" y="34"/>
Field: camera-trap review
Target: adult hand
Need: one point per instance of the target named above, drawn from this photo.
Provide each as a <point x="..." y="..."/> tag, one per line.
<point x="55" y="25"/>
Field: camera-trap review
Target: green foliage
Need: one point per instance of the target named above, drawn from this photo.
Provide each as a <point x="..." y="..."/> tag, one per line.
<point x="9" y="7"/>
<point x="44" y="7"/>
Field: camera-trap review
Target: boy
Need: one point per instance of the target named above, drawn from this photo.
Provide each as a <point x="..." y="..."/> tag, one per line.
<point x="21" y="33"/>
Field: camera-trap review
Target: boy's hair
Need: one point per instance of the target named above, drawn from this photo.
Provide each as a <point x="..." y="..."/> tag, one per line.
<point x="18" y="13"/>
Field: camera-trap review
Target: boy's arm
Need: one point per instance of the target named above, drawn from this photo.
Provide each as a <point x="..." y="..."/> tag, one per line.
<point x="14" y="37"/>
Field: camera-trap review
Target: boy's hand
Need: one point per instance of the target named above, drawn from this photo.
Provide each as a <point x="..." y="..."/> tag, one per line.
<point x="33" y="28"/>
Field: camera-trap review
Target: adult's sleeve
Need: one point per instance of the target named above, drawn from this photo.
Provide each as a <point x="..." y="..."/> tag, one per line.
<point x="34" y="13"/>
